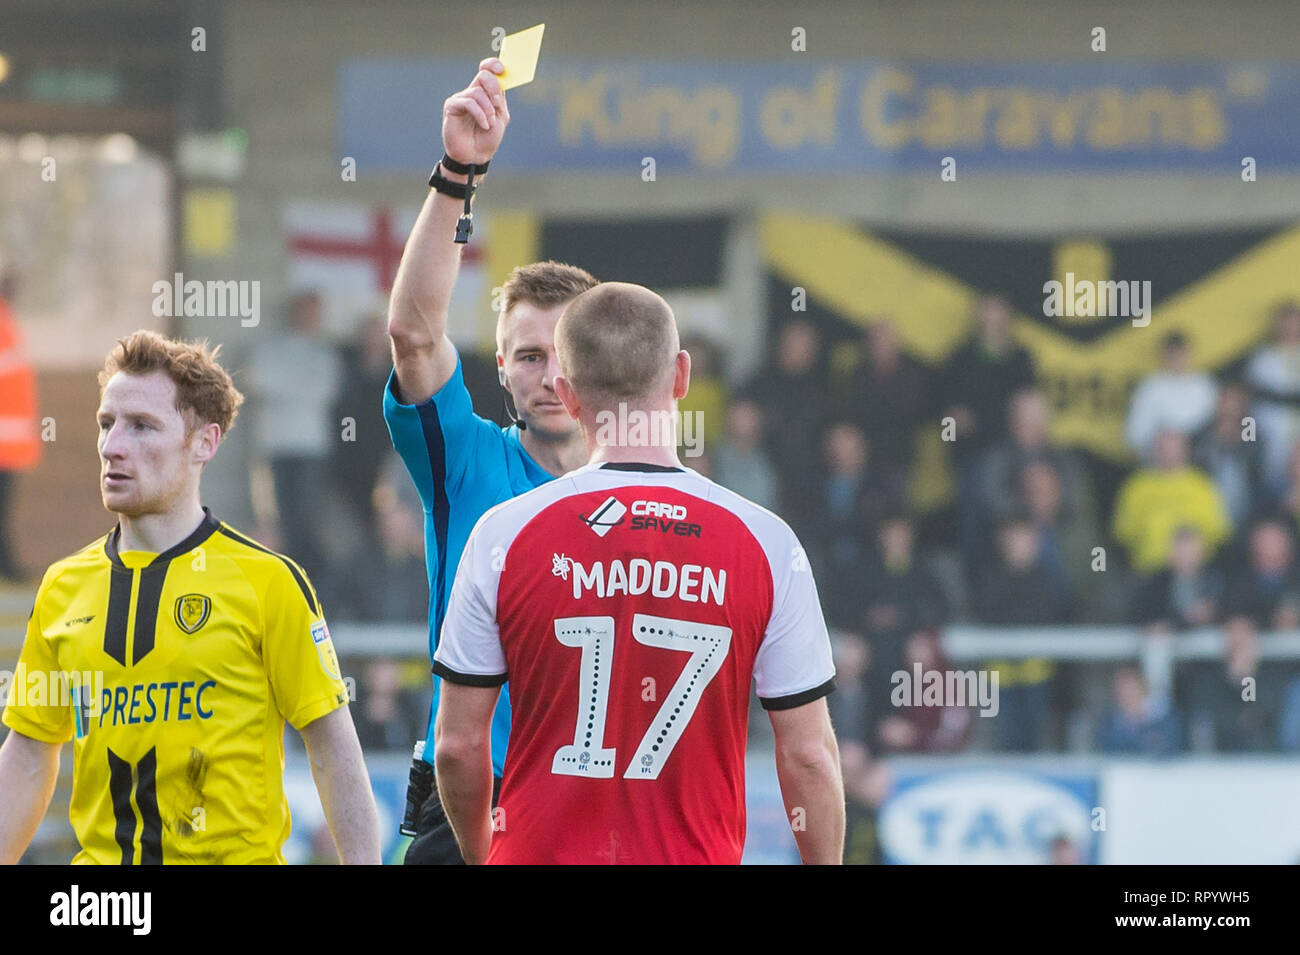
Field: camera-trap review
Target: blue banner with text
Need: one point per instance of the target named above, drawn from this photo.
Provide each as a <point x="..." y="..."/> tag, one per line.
<point x="841" y="116"/>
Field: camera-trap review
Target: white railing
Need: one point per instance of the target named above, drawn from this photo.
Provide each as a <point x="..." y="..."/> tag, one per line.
<point x="964" y="643"/>
<point x="1157" y="653"/>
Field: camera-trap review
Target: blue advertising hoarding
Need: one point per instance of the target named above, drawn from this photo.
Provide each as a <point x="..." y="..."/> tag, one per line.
<point x="801" y="115"/>
<point x="988" y="816"/>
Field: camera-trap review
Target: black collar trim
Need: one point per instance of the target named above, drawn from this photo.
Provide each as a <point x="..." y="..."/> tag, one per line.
<point x="201" y="533"/>
<point x="638" y="466"/>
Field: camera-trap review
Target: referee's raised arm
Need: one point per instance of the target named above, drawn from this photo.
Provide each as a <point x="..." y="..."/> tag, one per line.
<point x="473" y="122"/>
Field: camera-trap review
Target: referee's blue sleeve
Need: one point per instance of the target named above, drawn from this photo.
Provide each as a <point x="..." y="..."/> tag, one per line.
<point x="437" y="440"/>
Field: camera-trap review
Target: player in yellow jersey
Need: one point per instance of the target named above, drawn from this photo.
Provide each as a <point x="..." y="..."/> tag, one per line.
<point x="172" y="651"/>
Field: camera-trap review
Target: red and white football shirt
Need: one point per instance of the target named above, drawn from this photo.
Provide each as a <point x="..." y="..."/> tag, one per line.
<point x="630" y="606"/>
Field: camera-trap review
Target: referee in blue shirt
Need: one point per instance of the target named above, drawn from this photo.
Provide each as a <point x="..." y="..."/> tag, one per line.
<point x="462" y="464"/>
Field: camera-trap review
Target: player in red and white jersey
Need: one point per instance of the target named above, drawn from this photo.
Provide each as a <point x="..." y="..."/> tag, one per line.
<point x="630" y="603"/>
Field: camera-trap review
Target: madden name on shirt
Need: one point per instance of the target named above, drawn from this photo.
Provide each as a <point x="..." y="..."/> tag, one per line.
<point x="639" y="576"/>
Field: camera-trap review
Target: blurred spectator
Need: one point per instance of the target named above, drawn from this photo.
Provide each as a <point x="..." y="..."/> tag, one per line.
<point x="1138" y="722"/>
<point x="1175" y="397"/>
<point x="897" y="594"/>
<point x="1065" y="540"/>
<point x="1065" y="544"/>
<point x="851" y="707"/>
<point x="388" y="583"/>
<point x="740" y="461"/>
<point x="1265" y="595"/>
<point x="354" y="469"/>
<point x="866" y="786"/>
<point x="1288" y="730"/>
<point x="791" y="391"/>
<point x="1018" y="588"/>
<point x="404" y="585"/>
<point x="843" y="538"/>
<point x="1154" y="501"/>
<point x="1043" y="481"/>
<point x="1235" y="465"/>
<point x="295" y="377"/>
<point x="1028" y="420"/>
<point x="853" y="498"/>
<point x="885" y="395"/>
<point x="20" y="444"/>
<point x="885" y="490"/>
<point x="1018" y="591"/>
<point x="706" y="401"/>
<point x="1273" y="373"/>
<point x="1289" y="502"/>
<point x="1233" y="703"/>
<point x="973" y="389"/>
<point x="1063" y="850"/>
<point x="386" y="717"/>
<point x="1186" y="594"/>
<point x="926" y="729"/>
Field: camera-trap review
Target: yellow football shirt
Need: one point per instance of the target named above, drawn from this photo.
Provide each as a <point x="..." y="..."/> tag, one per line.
<point x="174" y="674"/>
<point x="1152" y="505"/>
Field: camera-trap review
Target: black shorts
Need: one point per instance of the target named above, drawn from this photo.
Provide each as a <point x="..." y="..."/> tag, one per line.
<point x="434" y="842"/>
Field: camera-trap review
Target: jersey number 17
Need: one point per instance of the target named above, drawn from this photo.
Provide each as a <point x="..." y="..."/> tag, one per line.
<point x="587" y="755"/>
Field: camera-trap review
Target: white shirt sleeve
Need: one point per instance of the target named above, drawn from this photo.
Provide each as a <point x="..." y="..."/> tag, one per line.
<point x="469" y="647"/>
<point x="1138" y="428"/>
<point x="1207" y="398"/>
<point x="793" y="665"/>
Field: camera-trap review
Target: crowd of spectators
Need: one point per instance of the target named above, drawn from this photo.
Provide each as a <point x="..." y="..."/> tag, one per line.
<point x="1200" y="532"/>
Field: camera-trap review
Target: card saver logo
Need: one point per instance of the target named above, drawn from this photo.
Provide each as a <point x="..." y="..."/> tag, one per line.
<point x="609" y="514"/>
<point x="661" y="517"/>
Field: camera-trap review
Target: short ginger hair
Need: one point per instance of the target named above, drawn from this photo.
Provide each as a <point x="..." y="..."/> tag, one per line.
<point x="205" y="392"/>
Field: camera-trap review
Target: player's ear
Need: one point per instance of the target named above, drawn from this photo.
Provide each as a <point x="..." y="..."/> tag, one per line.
<point x="682" y="374"/>
<point x="564" y="391"/>
<point x="501" y="373"/>
<point x="208" y="440"/>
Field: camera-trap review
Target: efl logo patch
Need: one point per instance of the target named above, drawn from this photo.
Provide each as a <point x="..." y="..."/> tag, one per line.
<point x="329" y="660"/>
<point x="192" y="611"/>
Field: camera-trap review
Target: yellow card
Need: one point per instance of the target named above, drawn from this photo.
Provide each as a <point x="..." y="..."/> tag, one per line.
<point x="519" y="56"/>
